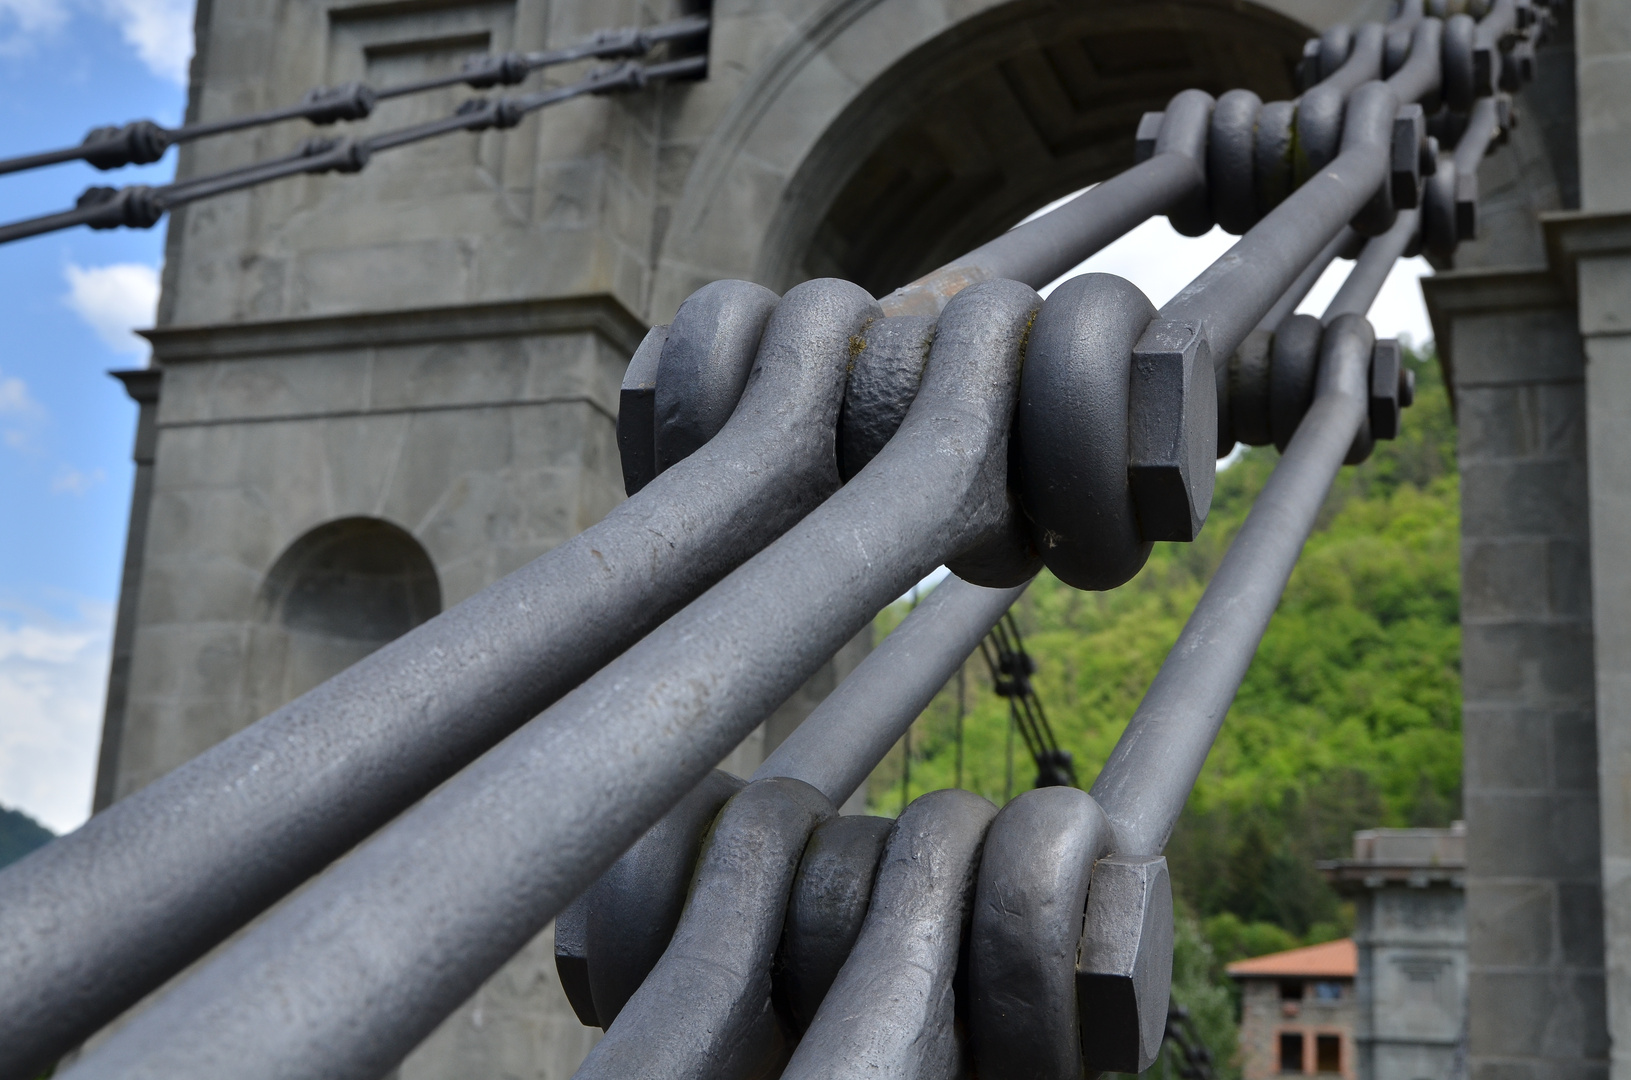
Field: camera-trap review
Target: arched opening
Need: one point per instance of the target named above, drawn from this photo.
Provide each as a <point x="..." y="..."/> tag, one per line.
<point x="338" y="593"/>
<point x="968" y="133"/>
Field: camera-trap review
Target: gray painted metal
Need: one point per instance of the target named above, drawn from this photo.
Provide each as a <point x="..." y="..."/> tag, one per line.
<point x="631" y="912"/>
<point x="826" y="911"/>
<point x="1124" y="967"/>
<point x="1148" y="777"/>
<point x="1039" y="251"/>
<point x="637" y="412"/>
<point x="839" y="744"/>
<point x="1371" y="269"/>
<point x="892" y="1011"/>
<point x="1071" y="431"/>
<point x="705" y="1012"/>
<point x="1026" y="932"/>
<point x="333" y="984"/>
<point x="703" y="368"/>
<point x="100" y="917"/>
<point x="882" y="383"/>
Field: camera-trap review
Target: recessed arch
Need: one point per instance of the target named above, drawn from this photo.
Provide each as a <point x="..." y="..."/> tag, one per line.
<point x="881" y="139"/>
<point x="337" y="593"/>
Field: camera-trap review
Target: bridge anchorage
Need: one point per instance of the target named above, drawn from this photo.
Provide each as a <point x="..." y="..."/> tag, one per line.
<point x="547" y="749"/>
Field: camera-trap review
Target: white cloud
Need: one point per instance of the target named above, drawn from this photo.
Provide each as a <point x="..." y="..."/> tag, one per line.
<point x="71" y="480"/>
<point x="24" y="22"/>
<point x="14" y="397"/>
<point x="53" y="676"/>
<point x="114" y="300"/>
<point x="20" y="414"/>
<point x="161" y="32"/>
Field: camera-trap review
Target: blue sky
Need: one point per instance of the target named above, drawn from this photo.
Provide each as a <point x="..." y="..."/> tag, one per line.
<point x="69" y="303"/>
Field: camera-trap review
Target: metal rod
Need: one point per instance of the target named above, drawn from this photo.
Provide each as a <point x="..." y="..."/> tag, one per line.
<point x="1149" y="775"/>
<point x="1232" y="295"/>
<point x="1306" y="281"/>
<point x="1371" y="269"/>
<point x="333" y="983"/>
<point x="839" y="744"/>
<point x="355" y="101"/>
<point x="100" y="917"/>
<point x="1041" y="250"/>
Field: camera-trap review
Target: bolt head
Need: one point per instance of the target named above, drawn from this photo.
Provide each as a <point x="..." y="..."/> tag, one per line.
<point x="1124" y="964"/>
<point x="1172" y="430"/>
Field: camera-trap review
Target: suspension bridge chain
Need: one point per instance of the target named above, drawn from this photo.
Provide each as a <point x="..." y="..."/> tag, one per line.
<point x="546" y="749"/>
<point x="143" y="141"/>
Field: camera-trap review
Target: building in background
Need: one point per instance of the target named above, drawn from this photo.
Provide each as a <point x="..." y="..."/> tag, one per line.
<point x="1298" y="1011"/>
<point x="1410" y="928"/>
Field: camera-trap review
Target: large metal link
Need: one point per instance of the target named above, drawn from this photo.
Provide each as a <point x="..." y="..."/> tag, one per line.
<point x="1115" y="419"/>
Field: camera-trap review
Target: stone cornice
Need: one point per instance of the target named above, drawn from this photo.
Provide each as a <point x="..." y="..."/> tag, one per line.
<point x="1575" y="234"/>
<point x="601" y="314"/>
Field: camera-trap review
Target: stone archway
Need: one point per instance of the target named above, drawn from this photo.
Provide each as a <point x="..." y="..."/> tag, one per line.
<point x="340" y="591"/>
<point x="882" y="139"/>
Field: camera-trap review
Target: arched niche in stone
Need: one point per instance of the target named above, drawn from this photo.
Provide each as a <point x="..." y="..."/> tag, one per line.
<point x="335" y="595"/>
<point x="882" y="139"/>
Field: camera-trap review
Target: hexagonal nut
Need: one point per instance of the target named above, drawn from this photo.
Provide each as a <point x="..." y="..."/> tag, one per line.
<point x="1124" y="965"/>
<point x="1172" y="430"/>
<point x="1409" y="132"/>
<point x="1385" y="362"/>
<point x="572" y="959"/>
<point x="1149" y="130"/>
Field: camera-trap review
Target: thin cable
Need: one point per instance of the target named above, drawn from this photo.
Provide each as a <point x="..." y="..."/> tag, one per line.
<point x="142" y="142"/>
<point x="139" y="206"/>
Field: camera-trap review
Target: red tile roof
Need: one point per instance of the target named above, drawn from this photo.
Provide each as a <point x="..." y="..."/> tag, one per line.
<point x="1332" y="960"/>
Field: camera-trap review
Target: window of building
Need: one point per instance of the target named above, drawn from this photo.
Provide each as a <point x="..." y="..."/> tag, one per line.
<point x="1328" y="991"/>
<point x="1291" y="1052"/>
<point x="1328" y="1053"/>
<point x="1291" y="990"/>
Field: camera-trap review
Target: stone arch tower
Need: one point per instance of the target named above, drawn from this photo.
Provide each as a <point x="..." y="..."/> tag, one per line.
<point x="424" y="358"/>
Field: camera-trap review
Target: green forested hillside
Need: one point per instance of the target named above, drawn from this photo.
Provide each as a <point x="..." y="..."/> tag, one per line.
<point x="1350" y="717"/>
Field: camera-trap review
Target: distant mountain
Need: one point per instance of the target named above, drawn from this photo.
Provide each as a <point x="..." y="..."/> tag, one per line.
<point x="20" y="834"/>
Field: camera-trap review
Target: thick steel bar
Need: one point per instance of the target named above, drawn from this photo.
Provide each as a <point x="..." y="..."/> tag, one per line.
<point x="1148" y="777"/>
<point x="1306" y="280"/>
<point x="704" y="1012"/>
<point x="1041" y="250"/>
<point x="1232" y="295"/>
<point x="95" y="920"/>
<point x="1421" y="73"/>
<point x="1370" y="270"/>
<point x="839" y="744"/>
<point x="334" y="983"/>
<point x="891" y="1013"/>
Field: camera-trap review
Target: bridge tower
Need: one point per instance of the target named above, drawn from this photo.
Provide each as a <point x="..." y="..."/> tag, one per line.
<point x="373" y="395"/>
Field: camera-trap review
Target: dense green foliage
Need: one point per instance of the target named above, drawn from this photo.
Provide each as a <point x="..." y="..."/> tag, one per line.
<point x="20" y="834"/>
<point x="1350" y="716"/>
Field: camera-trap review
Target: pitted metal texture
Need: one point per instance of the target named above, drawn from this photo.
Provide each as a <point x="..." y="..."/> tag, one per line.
<point x="1027" y="928"/>
<point x="705" y="1012"/>
<point x="825" y="912"/>
<point x="892" y="1011"/>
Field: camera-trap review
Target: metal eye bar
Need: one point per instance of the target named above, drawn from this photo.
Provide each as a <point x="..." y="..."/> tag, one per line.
<point x="1232" y="295"/>
<point x="1039" y="251"/>
<point x="1305" y="282"/>
<point x="101" y="917"/>
<point x="1148" y="777"/>
<point x="1371" y="269"/>
<point x="839" y="744"/>
<point x="144" y="141"/>
<point x="593" y="772"/>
